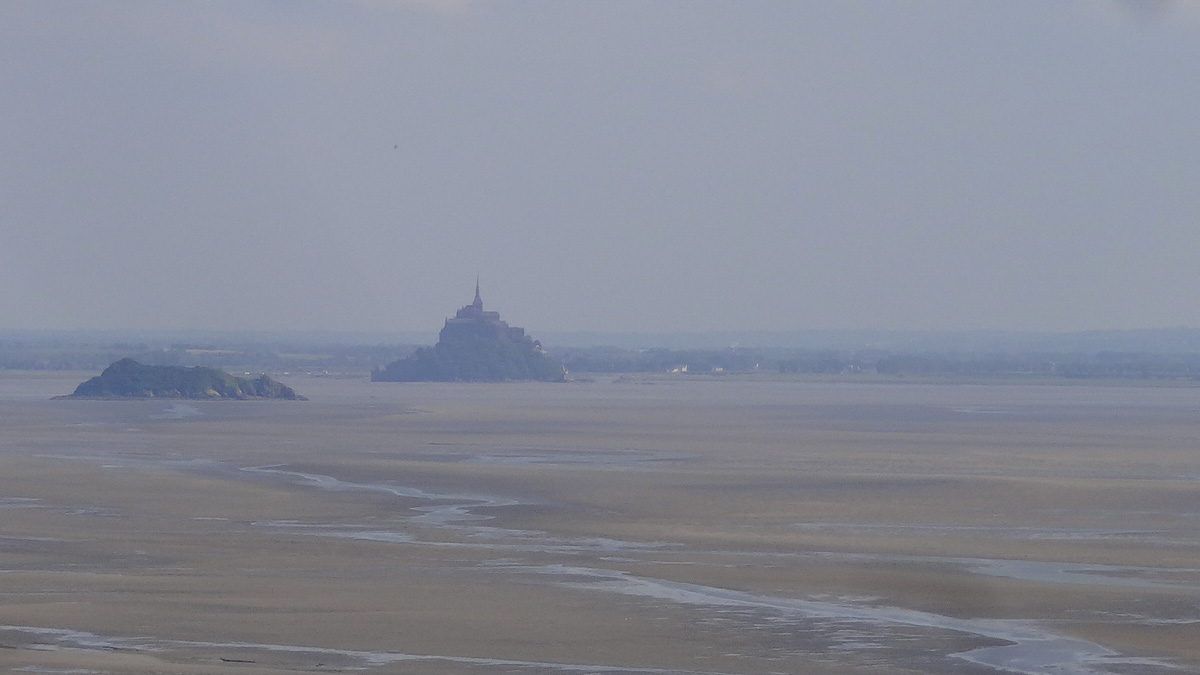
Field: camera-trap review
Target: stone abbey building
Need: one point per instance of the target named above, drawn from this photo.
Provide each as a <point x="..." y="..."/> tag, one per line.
<point x="473" y="320"/>
<point x="476" y="346"/>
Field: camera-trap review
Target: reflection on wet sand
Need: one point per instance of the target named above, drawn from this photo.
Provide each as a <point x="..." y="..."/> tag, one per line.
<point x="756" y="526"/>
<point x="455" y="513"/>
<point x="1031" y="649"/>
<point x="243" y="652"/>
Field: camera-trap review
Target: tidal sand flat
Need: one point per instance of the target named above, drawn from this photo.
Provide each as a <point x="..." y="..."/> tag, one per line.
<point x="687" y="525"/>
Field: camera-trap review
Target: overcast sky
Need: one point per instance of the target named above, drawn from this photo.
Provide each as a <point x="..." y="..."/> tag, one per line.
<point x="602" y="166"/>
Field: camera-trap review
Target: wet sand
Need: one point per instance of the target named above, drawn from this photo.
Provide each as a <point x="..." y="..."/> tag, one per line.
<point x="659" y="526"/>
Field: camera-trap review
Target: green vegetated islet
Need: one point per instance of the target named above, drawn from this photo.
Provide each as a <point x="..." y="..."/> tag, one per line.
<point x="129" y="379"/>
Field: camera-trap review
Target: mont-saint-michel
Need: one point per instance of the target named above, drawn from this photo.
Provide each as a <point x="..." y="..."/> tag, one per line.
<point x="476" y="346"/>
<point x="129" y="379"/>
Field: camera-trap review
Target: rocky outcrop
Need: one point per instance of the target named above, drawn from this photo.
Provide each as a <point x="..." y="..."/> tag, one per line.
<point x="129" y="379"/>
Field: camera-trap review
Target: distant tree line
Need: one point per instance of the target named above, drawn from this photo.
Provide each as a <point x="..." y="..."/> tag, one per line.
<point x="617" y="360"/>
<point x="1135" y="365"/>
<point x="1128" y="365"/>
<point x="363" y="359"/>
<point x="731" y="360"/>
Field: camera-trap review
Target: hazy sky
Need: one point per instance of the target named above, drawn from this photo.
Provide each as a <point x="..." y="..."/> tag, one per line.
<point x="623" y="166"/>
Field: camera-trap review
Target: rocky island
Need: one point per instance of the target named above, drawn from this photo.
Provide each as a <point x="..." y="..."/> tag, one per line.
<point x="476" y="346"/>
<point x="129" y="379"/>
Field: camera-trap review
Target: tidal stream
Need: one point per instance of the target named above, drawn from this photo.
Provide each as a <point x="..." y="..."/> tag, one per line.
<point x="1025" y="647"/>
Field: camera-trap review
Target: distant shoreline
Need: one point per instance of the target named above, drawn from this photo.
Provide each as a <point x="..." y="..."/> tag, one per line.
<point x="655" y="379"/>
<point x="1166" y="340"/>
<point x="1166" y="356"/>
